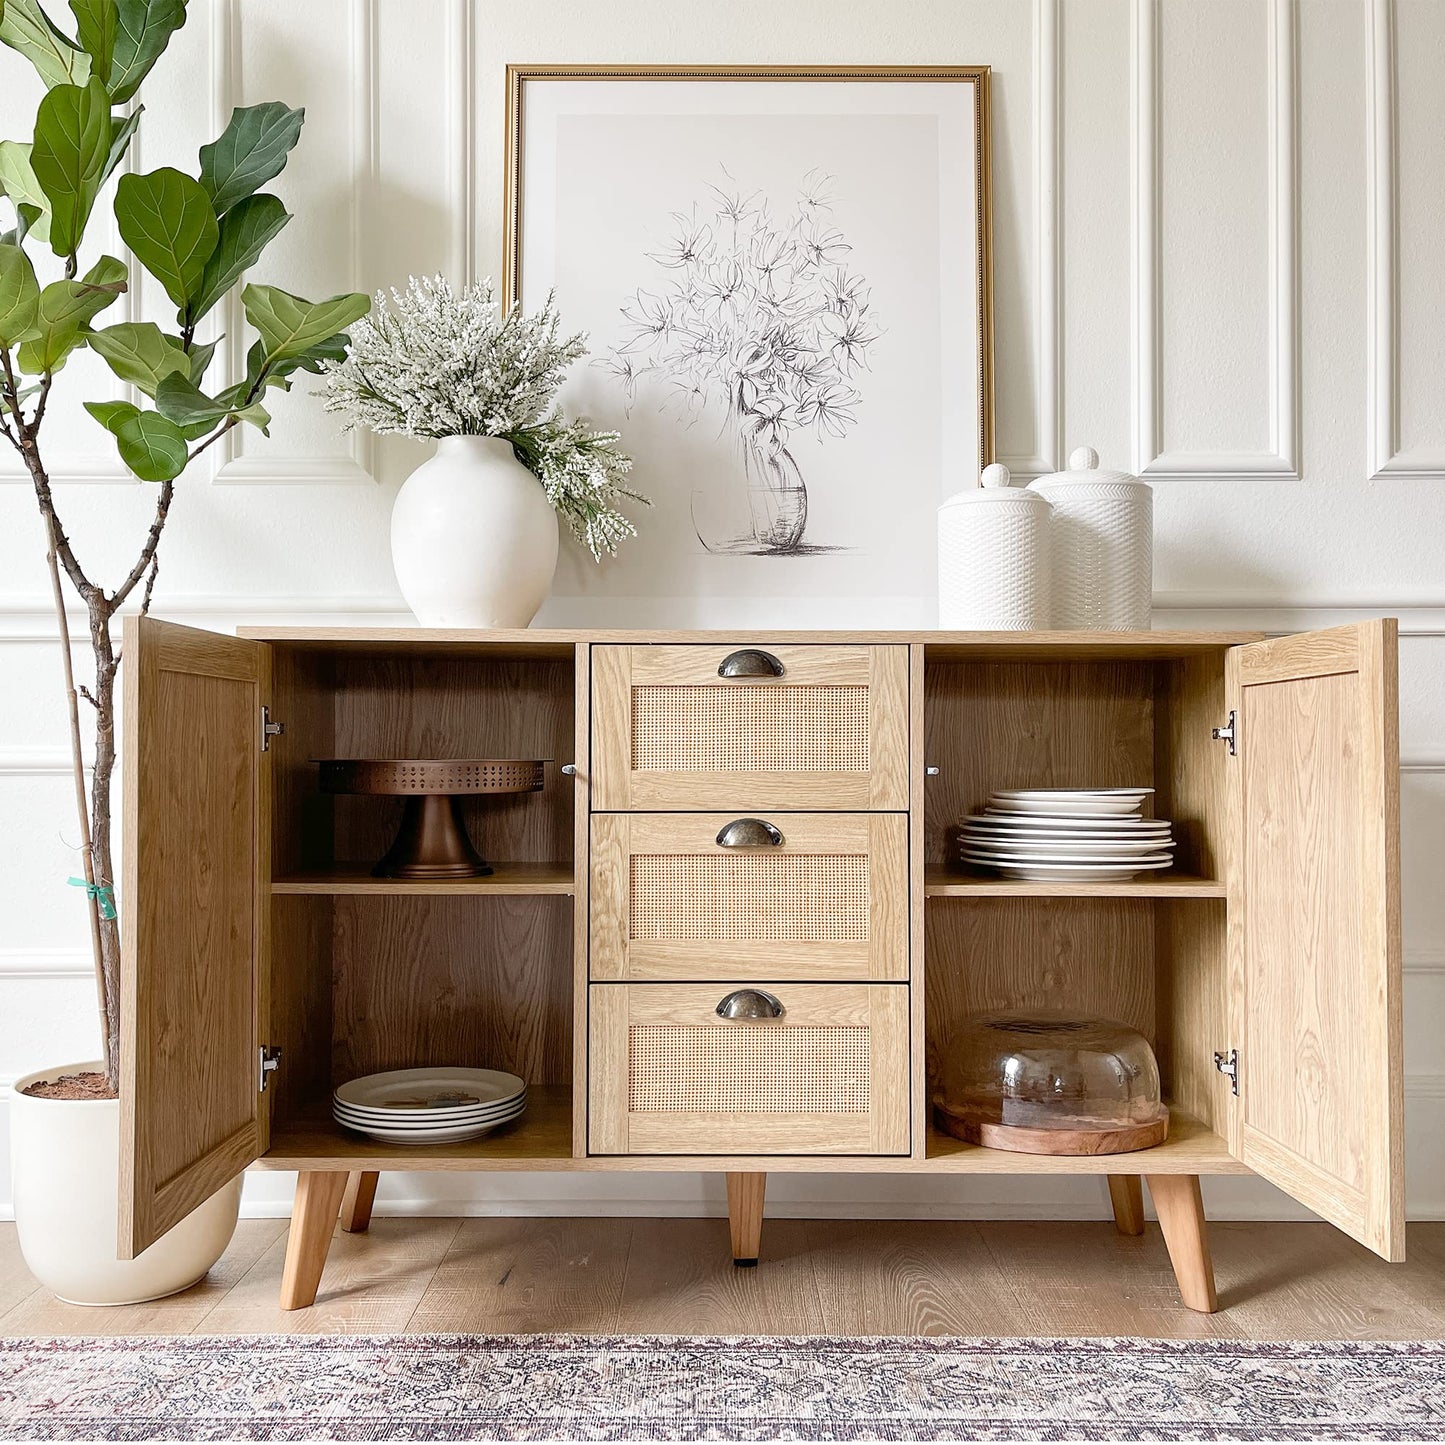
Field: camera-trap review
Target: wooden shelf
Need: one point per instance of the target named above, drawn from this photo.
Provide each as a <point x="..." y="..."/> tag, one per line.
<point x="540" y="1139"/>
<point x="1191" y="1148"/>
<point x="506" y="879"/>
<point x="1167" y="885"/>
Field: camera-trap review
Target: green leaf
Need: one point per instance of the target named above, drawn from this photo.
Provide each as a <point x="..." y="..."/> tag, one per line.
<point x="187" y="405"/>
<point x="17" y="180"/>
<point x="66" y="309"/>
<point x="246" y="230"/>
<point x="152" y="446"/>
<point x="122" y="129"/>
<point x="19" y="297"/>
<point x="141" y="353"/>
<point x="95" y="22"/>
<point x="290" y="326"/>
<point x="72" y="144"/>
<point x="143" y="31"/>
<point x="201" y="360"/>
<point x="25" y="27"/>
<point x="257" y="416"/>
<point x="252" y="149"/>
<point x="111" y="414"/>
<point x="165" y="218"/>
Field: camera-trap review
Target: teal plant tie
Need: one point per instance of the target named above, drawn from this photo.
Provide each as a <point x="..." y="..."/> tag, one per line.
<point x="103" y="894"/>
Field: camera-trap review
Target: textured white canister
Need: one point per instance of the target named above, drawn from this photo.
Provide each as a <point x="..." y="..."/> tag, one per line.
<point x="1102" y="563"/>
<point x="993" y="558"/>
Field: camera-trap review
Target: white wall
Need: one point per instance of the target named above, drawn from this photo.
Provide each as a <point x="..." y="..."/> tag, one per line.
<point x="1218" y="238"/>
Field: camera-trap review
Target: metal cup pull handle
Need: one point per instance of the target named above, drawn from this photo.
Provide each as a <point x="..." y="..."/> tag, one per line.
<point x="750" y="662"/>
<point x="750" y="1003"/>
<point x="749" y="833"/>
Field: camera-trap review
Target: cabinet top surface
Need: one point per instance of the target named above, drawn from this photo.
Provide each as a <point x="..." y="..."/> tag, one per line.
<point x="561" y="641"/>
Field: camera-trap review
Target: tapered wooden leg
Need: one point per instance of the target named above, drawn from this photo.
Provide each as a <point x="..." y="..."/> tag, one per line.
<point x="357" y="1201"/>
<point x="745" y="1215"/>
<point x="1180" y="1208"/>
<point x="1126" y="1194"/>
<point x="313" y="1218"/>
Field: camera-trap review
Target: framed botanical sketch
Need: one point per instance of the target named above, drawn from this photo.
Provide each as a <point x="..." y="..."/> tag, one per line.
<point x="785" y="278"/>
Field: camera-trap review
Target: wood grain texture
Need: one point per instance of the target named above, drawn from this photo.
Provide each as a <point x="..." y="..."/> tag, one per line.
<point x="745" y="1215"/>
<point x="193" y="981"/>
<point x="582" y="887"/>
<point x="354" y="880"/>
<point x="1030" y="725"/>
<point x="920" y="782"/>
<point x="313" y="1218"/>
<point x="619" y="672"/>
<point x="1126" y="1198"/>
<point x="879" y="841"/>
<point x="616" y="1126"/>
<point x="530" y="1276"/>
<point x="357" y="1202"/>
<point x="1191" y="767"/>
<point x="1192" y="1007"/>
<point x="301" y="1017"/>
<point x="480" y="982"/>
<point x="1092" y="956"/>
<point x="1316" y="970"/>
<point x="1180" y="1208"/>
<point x="1164" y="884"/>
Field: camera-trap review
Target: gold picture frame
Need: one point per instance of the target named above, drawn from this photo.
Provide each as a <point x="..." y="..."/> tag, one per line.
<point x="519" y="76"/>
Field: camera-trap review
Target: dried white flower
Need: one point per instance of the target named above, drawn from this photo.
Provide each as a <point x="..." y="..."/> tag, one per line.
<point x="429" y="362"/>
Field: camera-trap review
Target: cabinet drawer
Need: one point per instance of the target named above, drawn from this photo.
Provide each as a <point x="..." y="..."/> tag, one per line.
<point x="731" y="726"/>
<point x="719" y="895"/>
<point x="670" y="1075"/>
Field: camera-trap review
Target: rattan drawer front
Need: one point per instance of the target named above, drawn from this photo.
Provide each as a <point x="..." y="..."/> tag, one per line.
<point x="670" y="731"/>
<point x="669" y="1075"/>
<point x="827" y="900"/>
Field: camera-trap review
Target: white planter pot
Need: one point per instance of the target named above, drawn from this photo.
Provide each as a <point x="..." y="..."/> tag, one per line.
<point x="473" y="537"/>
<point x="65" y="1163"/>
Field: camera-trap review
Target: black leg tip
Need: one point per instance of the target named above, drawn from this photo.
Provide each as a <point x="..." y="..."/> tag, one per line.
<point x="747" y="1263"/>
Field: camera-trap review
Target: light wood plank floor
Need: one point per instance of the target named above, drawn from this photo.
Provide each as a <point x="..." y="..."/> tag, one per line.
<point x="835" y="1277"/>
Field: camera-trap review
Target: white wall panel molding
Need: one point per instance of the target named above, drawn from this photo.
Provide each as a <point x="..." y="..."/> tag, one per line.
<point x="1383" y="261"/>
<point x="1047" y="250"/>
<point x="45" y="963"/>
<point x="1281" y="457"/>
<point x="1427" y="962"/>
<point x="33" y="762"/>
<point x="461" y="142"/>
<point x="270" y="469"/>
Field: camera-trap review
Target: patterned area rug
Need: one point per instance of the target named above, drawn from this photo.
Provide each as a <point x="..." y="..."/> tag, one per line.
<point x="569" y="1387"/>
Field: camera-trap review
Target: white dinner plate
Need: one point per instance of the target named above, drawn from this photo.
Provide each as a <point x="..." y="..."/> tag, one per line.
<point x="1103" y="860"/>
<point x="1084" y="825"/>
<point x="438" y="1133"/>
<point x="1067" y="794"/>
<point x="1070" y="872"/>
<point x="471" y="1088"/>
<point x="459" y="1135"/>
<point x="422" y="1118"/>
<point x="1066" y="848"/>
<point x="1066" y="807"/>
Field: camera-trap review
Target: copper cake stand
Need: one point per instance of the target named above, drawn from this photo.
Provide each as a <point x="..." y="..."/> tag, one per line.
<point x="432" y="841"/>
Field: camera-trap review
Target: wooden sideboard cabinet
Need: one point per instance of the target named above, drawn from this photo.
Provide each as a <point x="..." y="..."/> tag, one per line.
<point x="770" y="814"/>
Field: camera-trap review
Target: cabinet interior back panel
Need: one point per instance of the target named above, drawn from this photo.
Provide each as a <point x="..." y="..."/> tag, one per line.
<point x="994" y="725"/>
<point x="482" y="982"/>
<point x="459" y="707"/>
<point x="1089" y="956"/>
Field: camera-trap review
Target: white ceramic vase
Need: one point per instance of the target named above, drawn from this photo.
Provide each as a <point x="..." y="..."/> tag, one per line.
<point x="65" y="1164"/>
<point x="473" y="537"/>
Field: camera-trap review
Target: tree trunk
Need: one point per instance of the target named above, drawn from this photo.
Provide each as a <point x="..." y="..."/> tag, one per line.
<point x="106" y="665"/>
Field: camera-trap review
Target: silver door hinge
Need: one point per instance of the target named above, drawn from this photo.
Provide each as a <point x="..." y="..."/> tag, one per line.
<point x="267" y="1064"/>
<point x="269" y="729"/>
<point x="1227" y="734"/>
<point x="1228" y="1065"/>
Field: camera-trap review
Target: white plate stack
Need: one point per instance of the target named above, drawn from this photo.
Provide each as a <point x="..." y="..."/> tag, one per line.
<point x="1067" y="835"/>
<point x="429" y="1106"/>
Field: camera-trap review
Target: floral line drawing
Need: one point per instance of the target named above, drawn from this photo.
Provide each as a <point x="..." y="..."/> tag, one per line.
<point x="763" y="315"/>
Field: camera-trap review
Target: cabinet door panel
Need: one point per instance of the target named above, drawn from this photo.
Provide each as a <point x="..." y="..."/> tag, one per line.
<point x="816" y="896"/>
<point x="192" y="922"/>
<point x="1314" y="925"/>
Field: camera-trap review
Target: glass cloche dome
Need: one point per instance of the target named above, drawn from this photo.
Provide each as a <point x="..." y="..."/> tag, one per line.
<point x="1051" y="1083"/>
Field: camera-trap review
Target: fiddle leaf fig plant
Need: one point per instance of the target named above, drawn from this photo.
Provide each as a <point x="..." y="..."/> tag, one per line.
<point x="196" y="236"/>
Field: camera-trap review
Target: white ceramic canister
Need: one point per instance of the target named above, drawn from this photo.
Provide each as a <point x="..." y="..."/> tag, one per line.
<point x="993" y="558"/>
<point x="1102" y="564"/>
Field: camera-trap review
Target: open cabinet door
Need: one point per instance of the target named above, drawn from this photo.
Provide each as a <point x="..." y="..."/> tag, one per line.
<point x="194" y="886"/>
<point x="1314" y="923"/>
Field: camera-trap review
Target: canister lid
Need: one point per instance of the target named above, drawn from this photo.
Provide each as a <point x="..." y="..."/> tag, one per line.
<point x="1084" y="467"/>
<point x="997" y="490"/>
